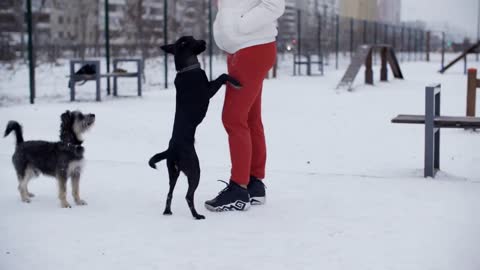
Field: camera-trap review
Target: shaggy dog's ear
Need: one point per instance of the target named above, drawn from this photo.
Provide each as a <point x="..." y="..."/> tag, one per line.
<point x="169" y="48"/>
<point x="66" y="117"/>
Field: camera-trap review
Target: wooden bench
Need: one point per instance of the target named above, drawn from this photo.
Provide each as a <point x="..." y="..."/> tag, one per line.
<point x="433" y="123"/>
<point x="96" y="77"/>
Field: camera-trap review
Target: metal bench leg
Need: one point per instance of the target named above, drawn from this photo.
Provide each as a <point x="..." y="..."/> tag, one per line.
<point x="72" y="92"/>
<point x="72" y="82"/>
<point x="115" y="83"/>
<point x="98" y="93"/>
<point x="139" y="78"/>
<point x="432" y="134"/>
<point x="139" y="85"/>
<point x="309" y="66"/>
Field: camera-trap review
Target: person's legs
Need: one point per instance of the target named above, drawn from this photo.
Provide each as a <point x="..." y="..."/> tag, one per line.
<point x="242" y="120"/>
<point x="242" y="111"/>
<point x="259" y="149"/>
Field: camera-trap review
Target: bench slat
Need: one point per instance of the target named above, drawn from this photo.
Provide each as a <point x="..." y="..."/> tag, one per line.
<point x="441" y="121"/>
<point x="92" y="77"/>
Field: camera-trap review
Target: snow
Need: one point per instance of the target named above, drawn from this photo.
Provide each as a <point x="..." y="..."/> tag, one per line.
<point x="345" y="186"/>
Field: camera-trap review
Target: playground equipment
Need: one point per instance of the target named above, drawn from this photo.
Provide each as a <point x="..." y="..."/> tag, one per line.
<point x="364" y="56"/>
<point x="433" y="123"/>
<point x="472" y="85"/>
<point x="96" y="77"/>
<point x="471" y="50"/>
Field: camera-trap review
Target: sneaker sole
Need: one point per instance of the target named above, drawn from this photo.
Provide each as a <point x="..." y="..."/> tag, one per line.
<point x="258" y="200"/>
<point x="235" y="206"/>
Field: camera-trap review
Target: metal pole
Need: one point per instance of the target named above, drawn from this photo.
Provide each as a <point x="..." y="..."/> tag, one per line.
<point x="337" y="43"/>
<point x="107" y="43"/>
<point x="326" y="49"/>
<point x="299" y="40"/>
<point x="375" y="35"/>
<point x="428" y="46"/>
<point x="352" y="22"/>
<point x="365" y="31"/>
<point x="165" y="39"/>
<point x="210" y="37"/>
<point x="402" y="42"/>
<point x="30" y="52"/>
<point x="443" y="50"/>
<point x="385" y="30"/>
<point x="478" y="28"/>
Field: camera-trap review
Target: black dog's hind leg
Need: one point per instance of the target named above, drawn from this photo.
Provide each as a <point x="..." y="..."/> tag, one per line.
<point x="173" y="174"/>
<point x="221" y="80"/>
<point x="193" y="175"/>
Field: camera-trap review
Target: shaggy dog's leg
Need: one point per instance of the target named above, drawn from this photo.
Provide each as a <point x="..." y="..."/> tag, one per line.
<point x="62" y="192"/>
<point x="173" y="174"/>
<point x="193" y="175"/>
<point x="23" y="187"/>
<point x="31" y="195"/>
<point x="76" y="190"/>
<point x="23" y="184"/>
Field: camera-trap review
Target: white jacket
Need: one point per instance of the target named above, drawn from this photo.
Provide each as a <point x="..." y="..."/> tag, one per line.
<point x="244" y="23"/>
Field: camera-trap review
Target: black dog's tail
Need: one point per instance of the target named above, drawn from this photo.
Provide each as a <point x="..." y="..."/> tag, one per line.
<point x="157" y="158"/>
<point x="15" y="126"/>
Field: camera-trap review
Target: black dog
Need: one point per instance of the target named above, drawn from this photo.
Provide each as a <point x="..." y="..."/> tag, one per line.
<point x="61" y="159"/>
<point x="87" y="69"/>
<point x="193" y="96"/>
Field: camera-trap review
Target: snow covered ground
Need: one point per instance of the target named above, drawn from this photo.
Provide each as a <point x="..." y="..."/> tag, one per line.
<point x="345" y="186"/>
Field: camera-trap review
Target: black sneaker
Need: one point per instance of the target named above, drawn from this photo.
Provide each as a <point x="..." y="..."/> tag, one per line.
<point x="232" y="198"/>
<point x="256" y="190"/>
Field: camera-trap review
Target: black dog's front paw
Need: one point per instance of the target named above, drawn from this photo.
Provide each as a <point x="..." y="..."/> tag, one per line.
<point x="234" y="82"/>
<point x="199" y="217"/>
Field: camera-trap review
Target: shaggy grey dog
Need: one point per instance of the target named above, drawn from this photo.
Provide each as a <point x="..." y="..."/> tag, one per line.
<point x="62" y="160"/>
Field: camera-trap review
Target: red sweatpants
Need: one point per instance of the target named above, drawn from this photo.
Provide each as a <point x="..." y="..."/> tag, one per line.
<point x="242" y="111"/>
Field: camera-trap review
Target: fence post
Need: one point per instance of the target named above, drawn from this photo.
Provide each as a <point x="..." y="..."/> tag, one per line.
<point x="31" y="58"/>
<point x="352" y="23"/>
<point x="210" y="37"/>
<point x="472" y="85"/>
<point x="428" y="46"/>
<point x="319" y="38"/>
<point x="394" y="37"/>
<point x="402" y="42"/>
<point x="107" y="42"/>
<point x="443" y="50"/>
<point x="365" y="24"/>
<point x="386" y="33"/>
<point x="375" y="35"/>
<point x="409" y="43"/>
<point x="415" y="44"/>
<point x="165" y="39"/>
<point x="337" y="42"/>
<point x="299" y="39"/>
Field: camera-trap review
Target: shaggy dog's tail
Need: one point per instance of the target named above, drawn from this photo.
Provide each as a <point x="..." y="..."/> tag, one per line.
<point x="15" y="126"/>
<point x="157" y="158"/>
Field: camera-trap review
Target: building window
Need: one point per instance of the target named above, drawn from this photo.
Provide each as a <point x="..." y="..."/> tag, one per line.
<point x="68" y="20"/>
<point x="60" y="20"/>
<point x="60" y="34"/>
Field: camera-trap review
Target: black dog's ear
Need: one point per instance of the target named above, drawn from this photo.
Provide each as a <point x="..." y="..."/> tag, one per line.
<point x="66" y="116"/>
<point x="169" y="48"/>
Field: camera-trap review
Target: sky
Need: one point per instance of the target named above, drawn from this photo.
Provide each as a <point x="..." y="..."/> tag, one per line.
<point x="461" y="14"/>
